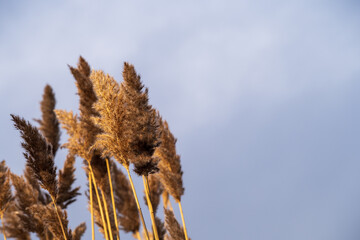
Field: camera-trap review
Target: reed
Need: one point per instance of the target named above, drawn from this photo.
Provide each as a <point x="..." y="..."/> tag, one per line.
<point x="170" y="173"/>
<point x="115" y="125"/>
<point x="5" y="192"/>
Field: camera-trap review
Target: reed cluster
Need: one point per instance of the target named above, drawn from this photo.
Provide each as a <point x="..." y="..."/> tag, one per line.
<point x="116" y="130"/>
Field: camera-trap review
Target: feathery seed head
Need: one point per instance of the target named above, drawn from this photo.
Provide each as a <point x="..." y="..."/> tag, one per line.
<point x="66" y="194"/>
<point x="49" y="125"/>
<point x="141" y="121"/>
<point x="172" y="226"/>
<point x="111" y="120"/>
<point x="5" y="188"/>
<point x="170" y="173"/>
<point x="38" y="154"/>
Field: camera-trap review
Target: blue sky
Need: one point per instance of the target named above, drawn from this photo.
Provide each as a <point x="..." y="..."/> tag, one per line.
<point x="262" y="96"/>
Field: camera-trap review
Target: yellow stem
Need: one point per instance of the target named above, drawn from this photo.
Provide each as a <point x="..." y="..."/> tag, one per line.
<point x="183" y="220"/>
<point x="91" y="209"/>
<point x="99" y="203"/>
<point x="113" y="200"/>
<point x="138" y="235"/>
<point x="2" y="223"/>
<point x="137" y="203"/>
<point x="151" y="210"/>
<point x="59" y="218"/>
<point x="107" y="214"/>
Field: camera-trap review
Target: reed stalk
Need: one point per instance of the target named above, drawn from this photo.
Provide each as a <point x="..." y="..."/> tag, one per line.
<point x="138" y="236"/>
<point x="183" y="220"/>
<point x="151" y="210"/>
<point x="99" y="201"/>
<point x="59" y="218"/>
<point x="137" y="203"/>
<point x="91" y="209"/>
<point x="2" y="223"/>
<point x="113" y="200"/>
<point x="107" y="215"/>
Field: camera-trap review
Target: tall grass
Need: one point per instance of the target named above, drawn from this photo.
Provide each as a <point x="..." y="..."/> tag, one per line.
<point x="116" y="127"/>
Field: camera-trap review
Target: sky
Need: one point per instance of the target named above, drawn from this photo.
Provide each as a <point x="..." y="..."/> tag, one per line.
<point x="261" y="95"/>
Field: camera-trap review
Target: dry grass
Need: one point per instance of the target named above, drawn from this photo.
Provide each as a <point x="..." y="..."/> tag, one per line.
<point x="115" y="125"/>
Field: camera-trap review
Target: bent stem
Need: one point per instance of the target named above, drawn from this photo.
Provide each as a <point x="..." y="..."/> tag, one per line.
<point x="137" y="203"/>
<point x="183" y="220"/>
<point x="99" y="202"/>
<point x="113" y="200"/>
<point x="107" y="214"/>
<point x="91" y="209"/>
<point x="2" y="223"/>
<point x="151" y="210"/>
<point x="59" y="218"/>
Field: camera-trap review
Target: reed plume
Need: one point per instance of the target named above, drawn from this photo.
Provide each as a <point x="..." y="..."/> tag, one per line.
<point x="114" y="139"/>
<point x="38" y="154"/>
<point x="43" y="197"/>
<point x="20" y="221"/>
<point x="141" y="121"/>
<point x="12" y="225"/>
<point x="173" y="227"/>
<point x="5" y="188"/>
<point x="115" y="122"/>
<point x="170" y="173"/>
<point x="87" y="98"/>
<point x="67" y="194"/>
<point x="5" y="192"/>
<point x="50" y="215"/>
<point x="79" y="231"/>
<point x="49" y="125"/>
<point x="160" y="227"/>
<point x="170" y="168"/>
